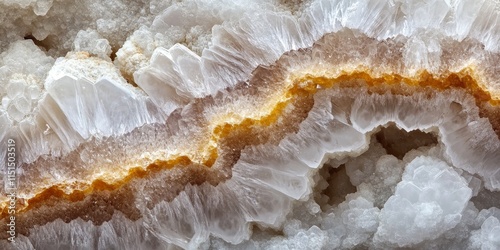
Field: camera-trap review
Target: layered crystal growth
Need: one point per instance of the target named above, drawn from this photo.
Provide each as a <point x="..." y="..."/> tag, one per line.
<point x="193" y="124"/>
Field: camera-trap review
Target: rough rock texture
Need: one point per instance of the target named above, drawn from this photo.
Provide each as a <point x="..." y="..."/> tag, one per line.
<point x="251" y="124"/>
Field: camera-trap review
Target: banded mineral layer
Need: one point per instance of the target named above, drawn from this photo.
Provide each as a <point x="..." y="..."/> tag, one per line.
<point x="251" y="124"/>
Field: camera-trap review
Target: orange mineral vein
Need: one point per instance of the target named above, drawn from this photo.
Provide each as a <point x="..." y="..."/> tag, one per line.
<point x="300" y="86"/>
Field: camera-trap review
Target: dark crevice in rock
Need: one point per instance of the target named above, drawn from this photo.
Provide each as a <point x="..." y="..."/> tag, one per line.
<point x="339" y="184"/>
<point x="398" y="142"/>
<point x="112" y="56"/>
<point x="44" y="45"/>
<point x="486" y="199"/>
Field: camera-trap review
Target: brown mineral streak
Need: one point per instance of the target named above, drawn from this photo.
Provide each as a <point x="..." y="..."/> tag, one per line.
<point x="232" y="137"/>
<point x="489" y="107"/>
<point x="255" y="131"/>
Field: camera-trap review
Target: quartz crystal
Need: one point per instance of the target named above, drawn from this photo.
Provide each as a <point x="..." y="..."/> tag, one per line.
<point x="250" y="124"/>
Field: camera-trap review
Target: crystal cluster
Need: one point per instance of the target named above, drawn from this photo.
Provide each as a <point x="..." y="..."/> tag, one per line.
<point x="197" y="124"/>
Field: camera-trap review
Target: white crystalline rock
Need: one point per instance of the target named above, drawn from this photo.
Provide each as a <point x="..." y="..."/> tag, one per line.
<point x="422" y="52"/>
<point x="313" y="238"/>
<point x="40" y="7"/>
<point x="80" y="115"/>
<point x="427" y="202"/>
<point x="264" y="44"/>
<point x="61" y="235"/>
<point x="488" y="235"/>
<point x="363" y="167"/>
<point x="224" y="62"/>
<point x="83" y="65"/>
<point x="81" y="104"/>
<point x="24" y="67"/>
<point x="456" y="129"/>
<point x="375" y="173"/>
<point x="267" y="180"/>
<point x="56" y="23"/>
<point x="54" y="27"/>
<point x="92" y="42"/>
<point x="360" y="219"/>
<point x="173" y="78"/>
<point x="436" y="208"/>
<point x="189" y="23"/>
<point x="79" y="98"/>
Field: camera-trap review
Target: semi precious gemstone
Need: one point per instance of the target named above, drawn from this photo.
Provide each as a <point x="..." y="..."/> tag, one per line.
<point x="193" y="124"/>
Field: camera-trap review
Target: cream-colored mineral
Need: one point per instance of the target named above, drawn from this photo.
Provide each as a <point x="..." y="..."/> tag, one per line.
<point x="198" y="124"/>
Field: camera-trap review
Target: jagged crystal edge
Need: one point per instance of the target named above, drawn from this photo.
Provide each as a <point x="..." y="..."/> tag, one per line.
<point x="485" y="162"/>
<point x="176" y="76"/>
<point x="267" y="178"/>
<point x="261" y="38"/>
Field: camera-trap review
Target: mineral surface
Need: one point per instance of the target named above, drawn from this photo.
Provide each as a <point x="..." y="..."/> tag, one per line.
<point x="238" y="124"/>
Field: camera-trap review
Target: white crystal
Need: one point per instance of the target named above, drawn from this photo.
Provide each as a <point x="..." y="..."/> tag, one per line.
<point x="427" y="202"/>
<point x="180" y="52"/>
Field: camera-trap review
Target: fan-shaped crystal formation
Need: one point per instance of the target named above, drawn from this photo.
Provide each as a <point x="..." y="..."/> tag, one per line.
<point x="237" y="125"/>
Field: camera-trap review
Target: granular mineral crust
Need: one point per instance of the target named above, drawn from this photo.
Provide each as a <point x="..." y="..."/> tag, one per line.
<point x="252" y="125"/>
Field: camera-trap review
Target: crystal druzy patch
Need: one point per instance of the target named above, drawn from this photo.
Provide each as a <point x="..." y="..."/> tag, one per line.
<point x="250" y="124"/>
